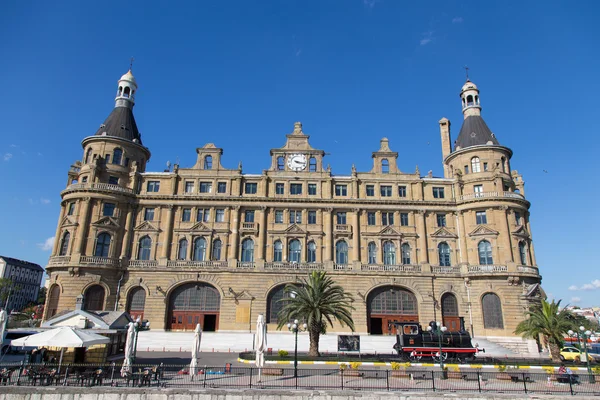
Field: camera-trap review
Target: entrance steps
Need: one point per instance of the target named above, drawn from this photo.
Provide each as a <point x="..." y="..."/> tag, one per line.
<point x="501" y="346"/>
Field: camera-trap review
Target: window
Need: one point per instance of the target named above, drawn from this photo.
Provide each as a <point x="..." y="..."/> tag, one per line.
<point x="387" y="218"/>
<point x="403" y="219"/>
<point x="294" y="251"/>
<point x="84" y="179"/>
<point x="478" y="190"/>
<point x="222" y="187"/>
<point x="295" y="216"/>
<point x="401" y="191"/>
<point x="340" y="218"/>
<point x="153" y="186"/>
<point x="441" y="220"/>
<point x="475" y="164"/>
<point x="199" y="249"/>
<point x="186" y="215"/>
<point x="88" y="154"/>
<point x="296" y="188"/>
<point x="113" y="180"/>
<point x="523" y="253"/>
<point x="341" y="190"/>
<point x="117" y="156"/>
<point x="371" y="218"/>
<point x="372" y="253"/>
<point x="492" y="311"/>
<point x="385" y="166"/>
<point x="312" y="217"/>
<point x="280" y="163"/>
<point x="370" y="190"/>
<point x="279" y="216"/>
<point x="182" y="252"/>
<point x="208" y="162"/>
<point x="249" y="216"/>
<point x="220" y="217"/>
<point x="311" y="256"/>
<point x="466" y="169"/>
<point x="438" y="192"/>
<point x="205" y="187"/>
<point x="250" y="188"/>
<point x="108" y="210"/>
<point x="149" y="214"/>
<point x="312" y="189"/>
<point x="71" y="210"/>
<point x="341" y="252"/>
<point x="144" y="248"/>
<point x="279" y="188"/>
<point x="189" y="187"/>
<point x="203" y="215"/>
<point x="93" y="299"/>
<point x="444" y="254"/>
<point x="64" y="244"/>
<point x="485" y="253"/>
<point x="405" y="253"/>
<point x="386" y="191"/>
<point x="216" y="249"/>
<point x="389" y="253"/>
<point x="485" y="167"/>
<point x="247" y="250"/>
<point x="480" y="217"/>
<point x="277" y="251"/>
<point x="518" y="219"/>
<point x="312" y="164"/>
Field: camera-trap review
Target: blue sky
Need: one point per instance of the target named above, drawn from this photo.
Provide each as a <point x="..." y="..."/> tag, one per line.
<point x="240" y="73"/>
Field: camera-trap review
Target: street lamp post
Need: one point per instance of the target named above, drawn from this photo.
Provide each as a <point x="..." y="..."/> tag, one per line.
<point x="582" y="337"/>
<point x="295" y="328"/>
<point x="439" y="330"/>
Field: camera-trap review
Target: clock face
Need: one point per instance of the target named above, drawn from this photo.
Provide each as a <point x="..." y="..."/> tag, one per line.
<point x="296" y="162"/>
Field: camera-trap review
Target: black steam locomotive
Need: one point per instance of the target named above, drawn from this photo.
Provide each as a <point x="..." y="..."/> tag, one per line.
<point x="413" y="343"/>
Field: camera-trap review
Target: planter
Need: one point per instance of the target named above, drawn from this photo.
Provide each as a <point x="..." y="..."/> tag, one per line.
<point x="455" y="375"/>
<point x="503" y="376"/>
<point x="351" y="372"/>
<point x="272" y="371"/>
<point x="399" y="374"/>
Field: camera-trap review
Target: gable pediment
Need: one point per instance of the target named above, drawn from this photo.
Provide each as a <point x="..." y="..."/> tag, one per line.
<point x="389" y="231"/>
<point x="146" y="227"/>
<point x="294" y="229"/>
<point x="521" y="232"/>
<point x="106" y="222"/>
<point x="443" y="233"/>
<point x="483" y="230"/>
<point x="68" y="221"/>
<point x="200" y="227"/>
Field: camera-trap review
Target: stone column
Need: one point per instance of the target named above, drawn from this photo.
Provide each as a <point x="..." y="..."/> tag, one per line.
<point x="233" y="227"/>
<point x="356" y="235"/>
<point x="421" y="222"/>
<point x="328" y="234"/>
<point x="166" y="250"/>
<point x="531" y="250"/>
<point x="262" y="230"/>
<point x="129" y="221"/>
<point x="84" y="222"/>
<point x="504" y="212"/>
<point x="57" y="235"/>
<point x="462" y="236"/>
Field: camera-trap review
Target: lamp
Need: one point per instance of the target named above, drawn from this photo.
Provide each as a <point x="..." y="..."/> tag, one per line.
<point x="295" y="328"/>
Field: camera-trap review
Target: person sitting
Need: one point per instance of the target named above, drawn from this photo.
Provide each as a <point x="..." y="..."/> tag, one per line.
<point x="574" y="378"/>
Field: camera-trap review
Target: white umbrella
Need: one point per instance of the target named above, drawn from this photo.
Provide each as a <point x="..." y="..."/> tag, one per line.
<point x="260" y="343"/>
<point x="2" y="324"/>
<point x="128" y="360"/>
<point x="195" y="350"/>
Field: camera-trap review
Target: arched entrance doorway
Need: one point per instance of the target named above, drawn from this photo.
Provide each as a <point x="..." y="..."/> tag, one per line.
<point x="194" y="303"/>
<point x="136" y="302"/>
<point x="450" y="316"/>
<point x="389" y="304"/>
<point x="53" y="298"/>
<point x="93" y="298"/>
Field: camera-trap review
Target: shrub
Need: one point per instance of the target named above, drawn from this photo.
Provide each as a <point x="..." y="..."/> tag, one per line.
<point x="396" y="366"/>
<point x="282" y="353"/>
<point x="343" y="366"/>
<point x="502" y="368"/>
<point x="355" y="365"/>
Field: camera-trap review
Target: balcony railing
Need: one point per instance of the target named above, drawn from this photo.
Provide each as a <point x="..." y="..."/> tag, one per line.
<point x="192" y="263"/>
<point x="99" y="260"/>
<point x="59" y="260"/>
<point x="474" y="269"/>
<point x="342" y="228"/>
<point x="143" y="263"/>
<point x="437" y="269"/>
<point x="100" y="186"/>
<point x="293" y="266"/>
<point x="488" y="195"/>
<point x="249" y="226"/>
<point x="342" y="267"/>
<point x="245" y="265"/>
<point x="527" y="270"/>
<point x="390" y="268"/>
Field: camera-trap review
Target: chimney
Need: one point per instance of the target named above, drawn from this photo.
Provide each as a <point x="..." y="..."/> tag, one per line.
<point x="446" y="143"/>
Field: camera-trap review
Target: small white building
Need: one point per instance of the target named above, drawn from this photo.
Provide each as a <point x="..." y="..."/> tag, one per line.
<point x="26" y="278"/>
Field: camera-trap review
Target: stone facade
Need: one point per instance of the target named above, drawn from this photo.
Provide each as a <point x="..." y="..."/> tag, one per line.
<point x="216" y="245"/>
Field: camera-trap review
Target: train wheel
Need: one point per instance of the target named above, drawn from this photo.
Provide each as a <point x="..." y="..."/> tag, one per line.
<point x="439" y="358"/>
<point x="414" y="358"/>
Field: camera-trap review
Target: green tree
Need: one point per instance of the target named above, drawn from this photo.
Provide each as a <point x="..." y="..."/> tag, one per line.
<point x="42" y="295"/>
<point x="316" y="301"/>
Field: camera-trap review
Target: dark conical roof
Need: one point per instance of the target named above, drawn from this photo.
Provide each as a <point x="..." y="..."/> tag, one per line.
<point x="474" y="132"/>
<point x="120" y="123"/>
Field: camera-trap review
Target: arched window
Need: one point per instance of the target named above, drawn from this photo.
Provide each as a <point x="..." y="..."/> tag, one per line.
<point x="444" y="254"/>
<point x="248" y="250"/>
<point x="183" y="247"/>
<point x="485" y="253"/>
<point x="389" y="253"/>
<point x="117" y="156"/>
<point x="126" y="91"/>
<point x="53" y="297"/>
<point x="88" y="155"/>
<point x="372" y="250"/>
<point x="280" y="163"/>
<point x="492" y="311"/>
<point x="277" y="251"/>
<point x="523" y="253"/>
<point x="102" y="245"/>
<point x="120" y="92"/>
<point x="208" y="162"/>
<point x="199" y="249"/>
<point x="216" y="249"/>
<point x="341" y="252"/>
<point x="449" y="305"/>
<point x="476" y="99"/>
<point x="385" y="166"/>
<point x="405" y="253"/>
<point x="144" y="248"/>
<point x="311" y="255"/>
<point x="294" y="251"/>
<point x="469" y="100"/>
<point x="93" y="298"/>
<point x="275" y="302"/>
<point x="312" y="164"/>
<point x="136" y="301"/>
<point x="64" y="244"/>
<point x="475" y="164"/>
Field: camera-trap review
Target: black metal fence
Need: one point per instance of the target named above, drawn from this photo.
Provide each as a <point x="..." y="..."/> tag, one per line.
<point x="273" y="377"/>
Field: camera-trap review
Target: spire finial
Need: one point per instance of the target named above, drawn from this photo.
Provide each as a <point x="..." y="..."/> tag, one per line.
<point x="466" y="71"/>
<point x="131" y="60"/>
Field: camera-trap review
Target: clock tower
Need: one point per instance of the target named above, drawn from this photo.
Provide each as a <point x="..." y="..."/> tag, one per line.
<point x="297" y="155"/>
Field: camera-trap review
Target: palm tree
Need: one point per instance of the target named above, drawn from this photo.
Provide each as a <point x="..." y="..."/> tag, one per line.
<point x="316" y="301"/>
<point x="550" y="322"/>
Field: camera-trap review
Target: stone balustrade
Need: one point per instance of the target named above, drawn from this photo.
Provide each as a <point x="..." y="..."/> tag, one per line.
<point x="278" y="266"/>
<point x="390" y="268"/>
<point x="99" y="187"/>
<point x="490" y="195"/>
<point x="486" y="269"/>
<point x="197" y="264"/>
<point x="108" y="261"/>
<point x="438" y="269"/>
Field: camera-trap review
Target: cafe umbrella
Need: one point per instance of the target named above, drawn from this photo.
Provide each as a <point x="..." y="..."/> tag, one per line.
<point x="128" y="360"/>
<point x="195" y="351"/>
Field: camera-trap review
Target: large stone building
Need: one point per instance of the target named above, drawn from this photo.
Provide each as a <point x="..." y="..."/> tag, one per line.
<point x="25" y="279"/>
<point x="216" y="245"/>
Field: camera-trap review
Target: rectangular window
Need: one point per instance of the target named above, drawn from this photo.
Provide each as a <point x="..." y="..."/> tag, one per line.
<point x="222" y="187"/>
<point x="186" y="215"/>
<point x="205" y="187"/>
<point x="404" y="219"/>
<point x="370" y="190"/>
<point x="485" y="166"/>
<point x="341" y="190"/>
<point x="401" y="191"/>
<point x="71" y="209"/>
<point x="386" y="191"/>
<point x="387" y="218"/>
<point x="108" y="210"/>
<point x="480" y="217"/>
<point x="438" y="192"/>
<point x="295" y="217"/>
<point x="153" y="186"/>
<point x="296" y="188"/>
<point x="312" y="189"/>
<point x="279" y="188"/>
<point x="441" y="220"/>
<point x="220" y="217"/>
<point x="312" y="217"/>
<point x="189" y="187"/>
<point x="249" y="215"/>
<point x="341" y="218"/>
<point x="371" y="218"/>
<point x="478" y="189"/>
<point x="250" y="188"/>
<point x="518" y="219"/>
<point x="279" y="216"/>
<point x="203" y="215"/>
<point x="466" y="169"/>
<point x="113" y="180"/>
<point x="149" y="214"/>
